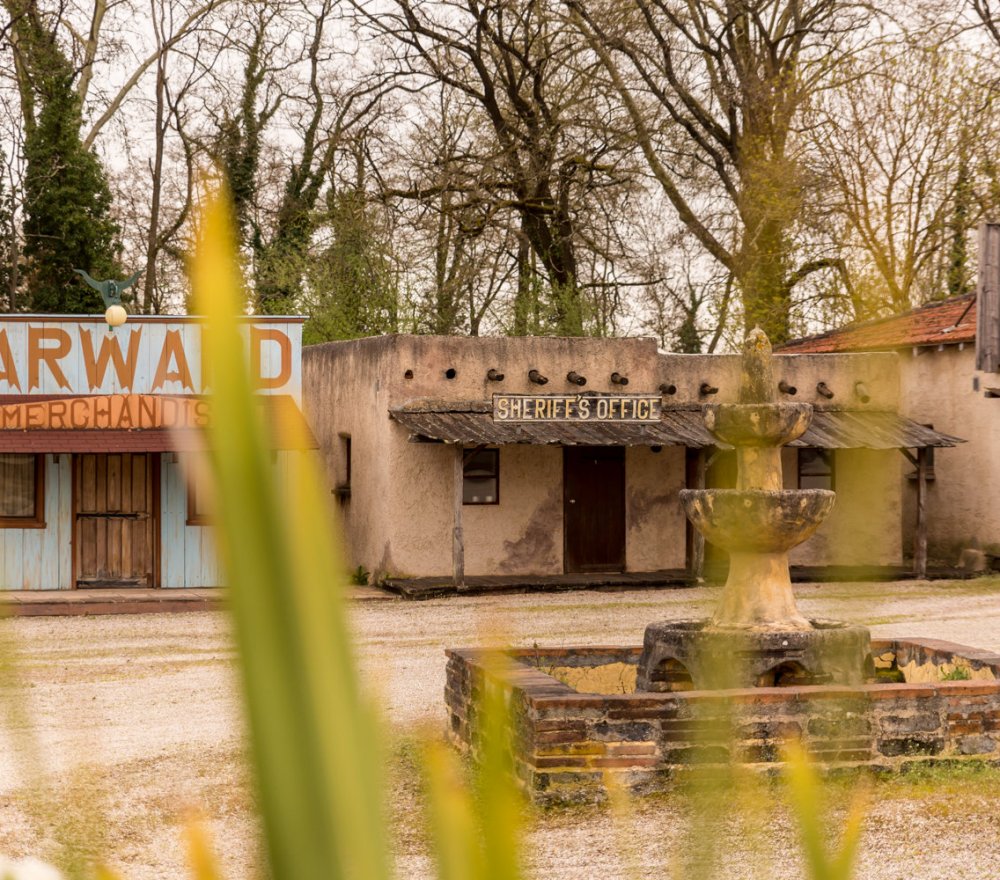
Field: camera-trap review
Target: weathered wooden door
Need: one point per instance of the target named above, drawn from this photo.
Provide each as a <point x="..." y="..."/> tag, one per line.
<point x="116" y="520"/>
<point x="594" y="508"/>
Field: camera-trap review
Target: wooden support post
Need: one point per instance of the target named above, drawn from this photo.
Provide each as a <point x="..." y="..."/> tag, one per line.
<point x="458" y="537"/>
<point x="920" y="539"/>
<point x="698" y="540"/>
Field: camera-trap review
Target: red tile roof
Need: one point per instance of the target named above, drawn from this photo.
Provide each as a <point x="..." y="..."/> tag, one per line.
<point x="947" y="322"/>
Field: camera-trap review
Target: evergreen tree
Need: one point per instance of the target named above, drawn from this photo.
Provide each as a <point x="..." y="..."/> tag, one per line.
<point x="67" y="201"/>
<point x="355" y="292"/>
<point x="958" y="256"/>
<point x="8" y="242"/>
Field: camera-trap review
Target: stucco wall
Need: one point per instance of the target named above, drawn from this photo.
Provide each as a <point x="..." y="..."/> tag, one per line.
<point x="864" y="527"/>
<point x="962" y="500"/>
<point x="656" y="528"/>
<point x="398" y="519"/>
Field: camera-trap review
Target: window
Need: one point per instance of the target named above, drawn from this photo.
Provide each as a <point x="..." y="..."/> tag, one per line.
<point x="343" y="488"/>
<point x="22" y="491"/>
<point x="199" y="509"/>
<point x="815" y="468"/>
<point x="481" y="477"/>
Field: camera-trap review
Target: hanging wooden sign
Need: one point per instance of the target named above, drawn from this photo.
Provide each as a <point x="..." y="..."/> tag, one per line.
<point x="576" y="408"/>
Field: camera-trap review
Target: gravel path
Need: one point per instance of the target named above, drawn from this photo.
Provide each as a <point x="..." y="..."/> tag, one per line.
<point x="136" y="721"/>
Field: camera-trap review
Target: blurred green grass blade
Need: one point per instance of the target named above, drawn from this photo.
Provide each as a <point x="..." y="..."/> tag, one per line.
<point x="500" y="801"/>
<point x="451" y="817"/>
<point x="314" y="738"/>
<point x="807" y="807"/>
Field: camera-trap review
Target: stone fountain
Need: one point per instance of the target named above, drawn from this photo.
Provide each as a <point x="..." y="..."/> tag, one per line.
<point x="739" y="686"/>
<point x="757" y="636"/>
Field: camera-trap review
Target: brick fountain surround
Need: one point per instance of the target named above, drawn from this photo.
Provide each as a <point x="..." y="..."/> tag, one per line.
<point x="735" y="687"/>
<point x="565" y="738"/>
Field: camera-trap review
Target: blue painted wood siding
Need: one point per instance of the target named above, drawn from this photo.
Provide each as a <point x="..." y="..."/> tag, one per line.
<point x="41" y="559"/>
<point x="188" y="552"/>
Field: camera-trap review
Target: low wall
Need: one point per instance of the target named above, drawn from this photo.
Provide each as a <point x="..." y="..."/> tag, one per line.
<point x="565" y="741"/>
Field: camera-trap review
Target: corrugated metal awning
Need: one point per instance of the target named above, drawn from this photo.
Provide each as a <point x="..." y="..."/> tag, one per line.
<point x="471" y="423"/>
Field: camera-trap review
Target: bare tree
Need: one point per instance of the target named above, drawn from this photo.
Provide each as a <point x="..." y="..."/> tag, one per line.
<point x="715" y="92"/>
<point x="546" y="144"/>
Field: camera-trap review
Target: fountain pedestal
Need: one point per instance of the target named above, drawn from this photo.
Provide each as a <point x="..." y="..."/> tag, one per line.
<point x="757" y="636"/>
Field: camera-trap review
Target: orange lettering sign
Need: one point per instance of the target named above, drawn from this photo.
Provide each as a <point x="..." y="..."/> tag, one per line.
<point x="173" y="352"/>
<point x="97" y="367"/>
<point x="9" y="371"/>
<point x="51" y="355"/>
<point x="108" y="411"/>
<point x="258" y="336"/>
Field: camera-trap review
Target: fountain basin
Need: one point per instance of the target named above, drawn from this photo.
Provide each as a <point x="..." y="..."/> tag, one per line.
<point x="757" y="520"/>
<point x="758" y="424"/>
<point x="693" y="654"/>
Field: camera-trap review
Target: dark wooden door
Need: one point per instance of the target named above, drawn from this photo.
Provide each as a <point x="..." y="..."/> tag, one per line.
<point x="116" y="520"/>
<point x="594" y="508"/>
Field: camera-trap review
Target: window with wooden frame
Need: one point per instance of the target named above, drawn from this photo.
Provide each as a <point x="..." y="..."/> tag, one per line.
<point x="199" y="511"/>
<point x="22" y="490"/>
<point x="481" y="477"/>
<point x="816" y="468"/>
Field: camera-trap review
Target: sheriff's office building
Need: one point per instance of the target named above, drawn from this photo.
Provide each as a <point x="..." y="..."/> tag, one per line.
<point x="462" y="457"/>
<point x="95" y="427"/>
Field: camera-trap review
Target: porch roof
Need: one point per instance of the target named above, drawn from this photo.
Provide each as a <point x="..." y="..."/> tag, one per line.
<point x="471" y="423"/>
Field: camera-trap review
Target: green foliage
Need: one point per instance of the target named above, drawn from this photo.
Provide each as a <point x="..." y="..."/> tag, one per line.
<point x="67" y="211"/>
<point x="360" y="576"/>
<point x="353" y="288"/>
<point x="8" y="243"/>
<point x="958" y="673"/>
<point x="958" y="255"/>
<point x="314" y="736"/>
<point x="823" y="861"/>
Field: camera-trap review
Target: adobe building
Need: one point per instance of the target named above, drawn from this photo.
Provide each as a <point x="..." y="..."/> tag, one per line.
<point x="96" y="429"/>
<point x="467" y="457"/>
<point x="941" y="385"/>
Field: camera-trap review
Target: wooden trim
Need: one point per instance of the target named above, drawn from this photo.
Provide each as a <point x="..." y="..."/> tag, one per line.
<point x="920" y="536"/>
<point x="458" y="534"/>
<point x="155" y="517"/>
<point x="74" y="543"/>
<point x="36" y="520"/>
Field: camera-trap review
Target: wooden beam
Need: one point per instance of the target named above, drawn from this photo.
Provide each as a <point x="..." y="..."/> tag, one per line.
<point x="920" y="538"/>
<point x="458" y="536"/>
<point x="698" y="539"/>
<point x="988" y="300"/>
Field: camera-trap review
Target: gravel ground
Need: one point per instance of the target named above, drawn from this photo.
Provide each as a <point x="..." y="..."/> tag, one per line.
<point x="123" y="725"/>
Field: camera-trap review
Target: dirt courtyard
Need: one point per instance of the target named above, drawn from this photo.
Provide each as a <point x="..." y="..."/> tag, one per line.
<point x="117" y="727"/>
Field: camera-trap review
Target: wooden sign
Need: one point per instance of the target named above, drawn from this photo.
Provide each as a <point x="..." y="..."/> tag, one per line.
<point x="120" y="412"/>
<point x="576" y="408"/>
<point x="148" y="355"/>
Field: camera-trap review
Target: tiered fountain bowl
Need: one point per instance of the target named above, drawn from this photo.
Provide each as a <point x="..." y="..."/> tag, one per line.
<point x="757" y="636"/>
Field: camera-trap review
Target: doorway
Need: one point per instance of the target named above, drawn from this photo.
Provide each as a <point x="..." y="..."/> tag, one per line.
<point x="116" y="519"/>
<point x="594" y="508"/>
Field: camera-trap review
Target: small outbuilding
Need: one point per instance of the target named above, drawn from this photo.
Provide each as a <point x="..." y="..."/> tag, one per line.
<point x="532" y="457"/>
<point x="96" y="429"/>
<point x="940" y="386"/>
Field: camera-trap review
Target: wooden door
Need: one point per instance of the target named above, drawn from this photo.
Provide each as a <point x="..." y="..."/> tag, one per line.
<point x="117" y="520"/>
<point x="594" y="508"/>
